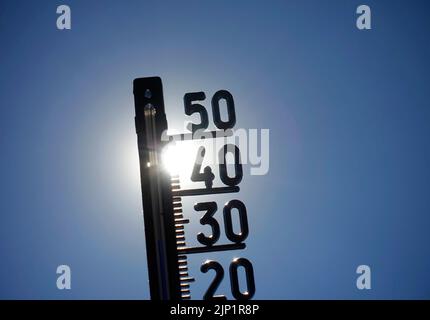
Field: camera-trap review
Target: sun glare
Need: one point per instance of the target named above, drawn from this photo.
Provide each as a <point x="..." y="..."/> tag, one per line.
<point x="178" y="158"/>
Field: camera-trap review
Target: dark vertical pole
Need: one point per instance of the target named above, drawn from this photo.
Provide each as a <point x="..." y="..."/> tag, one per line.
<point x="156" y="190"/>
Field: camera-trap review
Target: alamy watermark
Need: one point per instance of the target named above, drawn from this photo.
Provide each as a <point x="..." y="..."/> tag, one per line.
<point x="232" y="146"/>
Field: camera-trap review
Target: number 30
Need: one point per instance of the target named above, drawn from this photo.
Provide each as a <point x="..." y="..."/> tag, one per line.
<point x="208" y="219"/>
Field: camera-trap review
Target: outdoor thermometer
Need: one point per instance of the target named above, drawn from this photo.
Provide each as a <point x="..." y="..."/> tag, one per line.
<point x="179" y="237"/>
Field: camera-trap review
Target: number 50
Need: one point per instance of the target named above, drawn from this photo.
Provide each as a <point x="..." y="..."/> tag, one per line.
<point x="191" y="107"/>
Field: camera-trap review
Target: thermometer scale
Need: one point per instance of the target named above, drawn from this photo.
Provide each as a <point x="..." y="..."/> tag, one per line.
<point x="162" y="196"/>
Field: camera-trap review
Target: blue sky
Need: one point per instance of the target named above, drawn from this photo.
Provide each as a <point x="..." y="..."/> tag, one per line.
<point x="348" y="113"/>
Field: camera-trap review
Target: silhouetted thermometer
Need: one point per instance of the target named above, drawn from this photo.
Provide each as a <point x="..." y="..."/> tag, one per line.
<point x="166" y="238"/>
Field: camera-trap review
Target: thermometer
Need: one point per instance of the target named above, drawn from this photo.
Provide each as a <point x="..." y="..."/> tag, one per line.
<point x="167" y="249"/>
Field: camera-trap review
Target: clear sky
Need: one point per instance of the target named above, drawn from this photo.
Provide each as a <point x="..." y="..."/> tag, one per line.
<point x="348" y="113"/>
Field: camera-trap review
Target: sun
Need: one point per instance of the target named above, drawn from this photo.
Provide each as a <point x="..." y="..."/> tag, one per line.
<point x="178" y="158"/>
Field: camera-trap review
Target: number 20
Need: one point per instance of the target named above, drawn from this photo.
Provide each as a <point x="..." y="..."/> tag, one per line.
<point x="234" y="279"/>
